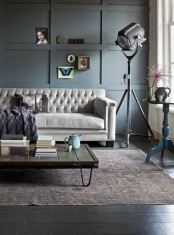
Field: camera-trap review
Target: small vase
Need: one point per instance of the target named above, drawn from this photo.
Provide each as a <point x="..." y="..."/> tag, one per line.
<point x="149" y="92"/>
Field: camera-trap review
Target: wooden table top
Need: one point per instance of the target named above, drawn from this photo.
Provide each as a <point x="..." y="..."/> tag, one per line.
<point x="80" y="158"/>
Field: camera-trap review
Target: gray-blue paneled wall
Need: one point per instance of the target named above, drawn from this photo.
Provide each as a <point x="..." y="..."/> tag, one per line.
<point x="23" y="63"/>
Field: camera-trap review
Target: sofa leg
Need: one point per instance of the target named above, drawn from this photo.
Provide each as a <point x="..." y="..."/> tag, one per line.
<point x="109" y="143"/>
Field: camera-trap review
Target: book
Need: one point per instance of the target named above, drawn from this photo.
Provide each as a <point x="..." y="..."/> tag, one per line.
<point x="46" y="155"/>
<point x="45" y="145"/>
<point x="45" y="141"/>
<point x="46" y="152"/>
<point x="14" y="142"/>
<point x="44" y="138"/>
<point x="12" y="137"/>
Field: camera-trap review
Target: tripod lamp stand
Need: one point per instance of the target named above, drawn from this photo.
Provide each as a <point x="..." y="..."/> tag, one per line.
<point x="130" y="38"/>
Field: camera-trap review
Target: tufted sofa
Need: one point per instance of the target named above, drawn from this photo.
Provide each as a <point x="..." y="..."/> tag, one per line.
<point x="72" y="111"/>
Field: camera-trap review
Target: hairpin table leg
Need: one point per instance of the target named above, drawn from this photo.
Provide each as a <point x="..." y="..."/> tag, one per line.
<point x="90" y="176"/>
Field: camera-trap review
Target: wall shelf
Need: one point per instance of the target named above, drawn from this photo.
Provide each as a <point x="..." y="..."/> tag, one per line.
<point x="25" y="46"/>
<point x="78" y="7"/>
<point x="27" y="7"/>
<point x="79" y="47"/>
<point x="47" y="47"/>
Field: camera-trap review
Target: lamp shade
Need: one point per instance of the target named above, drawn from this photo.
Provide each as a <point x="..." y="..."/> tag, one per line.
<point x="130" y="36"/>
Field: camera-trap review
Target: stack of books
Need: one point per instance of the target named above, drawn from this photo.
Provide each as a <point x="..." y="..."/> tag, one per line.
<point x="46" y="152"/>
<point x="45" y="141"/>
<point x="45" y="146"/>
<point x="14" y="145"/>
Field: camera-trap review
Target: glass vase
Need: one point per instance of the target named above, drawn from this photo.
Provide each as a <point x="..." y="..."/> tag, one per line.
<point x="149" y="92"/>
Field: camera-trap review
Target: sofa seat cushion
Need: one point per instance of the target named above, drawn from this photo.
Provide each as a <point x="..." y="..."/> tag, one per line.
<point x="69" y="120"/>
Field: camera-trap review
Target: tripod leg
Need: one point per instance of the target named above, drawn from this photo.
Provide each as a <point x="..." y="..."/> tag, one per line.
<point x="128" y="113"/>
<point x="121" y="101"/>
<point x="128" y="128"/>
<point x="142" y="112"/>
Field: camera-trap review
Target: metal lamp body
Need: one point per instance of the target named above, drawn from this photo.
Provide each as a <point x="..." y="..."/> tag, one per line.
<point x="130" y="36"/>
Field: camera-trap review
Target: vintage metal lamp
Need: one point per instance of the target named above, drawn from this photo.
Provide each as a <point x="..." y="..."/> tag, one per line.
<point x="129" y="39"/>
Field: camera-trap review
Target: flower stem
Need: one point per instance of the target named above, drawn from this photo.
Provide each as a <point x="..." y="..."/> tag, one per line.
<point x="154" y="82"/>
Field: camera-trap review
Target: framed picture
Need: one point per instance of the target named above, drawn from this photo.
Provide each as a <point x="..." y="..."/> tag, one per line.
<point x="65" y="72"/>
<point x="84" y="62"/>
<point x="41" y="36"/>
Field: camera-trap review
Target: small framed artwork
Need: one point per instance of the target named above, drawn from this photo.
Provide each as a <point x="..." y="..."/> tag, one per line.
<point x="65" y="72"/>
<point x="41" y="36"/>
<point x="84" y="62"/>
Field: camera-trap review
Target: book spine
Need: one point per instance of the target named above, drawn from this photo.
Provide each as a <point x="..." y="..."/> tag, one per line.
<point x="14" y="142"/>
<point x="12" y="137"/>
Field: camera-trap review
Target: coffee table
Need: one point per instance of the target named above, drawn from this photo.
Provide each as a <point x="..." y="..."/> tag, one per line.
<point x="81" y="158"/>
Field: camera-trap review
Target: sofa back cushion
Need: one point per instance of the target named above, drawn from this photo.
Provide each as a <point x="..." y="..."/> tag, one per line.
<point x="60" y="100"/>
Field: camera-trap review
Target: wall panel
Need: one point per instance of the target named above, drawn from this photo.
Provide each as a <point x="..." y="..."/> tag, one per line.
<point x="75" y="24"/>
<point x="22" y="29"/>
<point x="30" y="67"/>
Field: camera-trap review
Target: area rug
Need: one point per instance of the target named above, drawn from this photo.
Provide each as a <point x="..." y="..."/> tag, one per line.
<point x="123" y="177"/>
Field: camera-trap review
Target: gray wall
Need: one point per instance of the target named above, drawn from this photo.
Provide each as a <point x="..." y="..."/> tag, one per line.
<point x="25" y="64"/>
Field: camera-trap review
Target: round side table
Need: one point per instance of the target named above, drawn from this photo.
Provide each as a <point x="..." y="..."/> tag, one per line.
<point x="165" y="142"/>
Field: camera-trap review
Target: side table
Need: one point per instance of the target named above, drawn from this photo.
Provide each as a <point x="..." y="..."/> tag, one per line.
<point x="165" y="142"/>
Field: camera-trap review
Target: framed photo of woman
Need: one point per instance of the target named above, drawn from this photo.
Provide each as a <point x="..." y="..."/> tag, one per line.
<point x="41" y="36"/>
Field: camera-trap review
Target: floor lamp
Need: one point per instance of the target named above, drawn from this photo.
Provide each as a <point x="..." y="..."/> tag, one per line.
<point x="129" y="38"/>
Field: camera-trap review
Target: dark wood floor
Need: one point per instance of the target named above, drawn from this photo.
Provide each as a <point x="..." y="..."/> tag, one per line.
<point x="102" y="220"/>
<point x="82" y="220"/>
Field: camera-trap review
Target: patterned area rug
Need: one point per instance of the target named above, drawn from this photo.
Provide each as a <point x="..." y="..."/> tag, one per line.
<point x="123" y="177"/>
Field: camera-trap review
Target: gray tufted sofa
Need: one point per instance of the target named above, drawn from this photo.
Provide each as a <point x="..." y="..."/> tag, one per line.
<point x="72" y="111"/>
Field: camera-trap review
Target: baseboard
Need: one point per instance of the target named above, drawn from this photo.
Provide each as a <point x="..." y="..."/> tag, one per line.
<point x="159" y="136"/>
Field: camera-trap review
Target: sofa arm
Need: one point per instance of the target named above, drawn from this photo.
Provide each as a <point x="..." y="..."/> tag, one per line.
<point x="106" y="109"/>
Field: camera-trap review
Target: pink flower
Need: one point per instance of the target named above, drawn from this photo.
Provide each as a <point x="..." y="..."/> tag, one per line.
<point x="158" y="72"/>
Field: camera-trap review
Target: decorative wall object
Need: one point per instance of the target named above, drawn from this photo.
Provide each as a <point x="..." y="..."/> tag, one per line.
<point x="41" y="35"/>
<point x="71" y="58"/>
<point x="76" y="41"/>
<point x="60" y="39"/>
<point x="65" y="72"/>
<point x="84" y="62"/>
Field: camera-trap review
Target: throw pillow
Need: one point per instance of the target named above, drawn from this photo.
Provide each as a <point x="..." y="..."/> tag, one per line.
<point x="41" y="104"/>
<point x="28" y="101"/>
<point x="15" y="100"/>
<point x="35" y="103"/>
